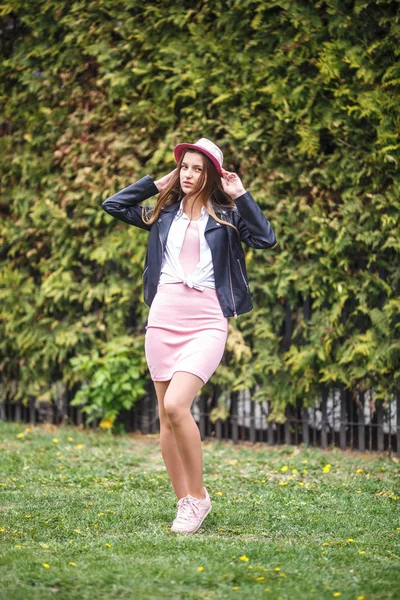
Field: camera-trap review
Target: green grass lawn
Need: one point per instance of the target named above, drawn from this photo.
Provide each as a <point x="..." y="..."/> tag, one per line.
<point x="87" y="515"/>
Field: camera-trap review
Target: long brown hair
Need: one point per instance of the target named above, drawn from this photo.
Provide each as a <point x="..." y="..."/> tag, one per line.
<point x="212" y="190"/>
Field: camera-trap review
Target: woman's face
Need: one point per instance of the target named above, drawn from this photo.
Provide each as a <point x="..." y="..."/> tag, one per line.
<point x="191" y="170"/>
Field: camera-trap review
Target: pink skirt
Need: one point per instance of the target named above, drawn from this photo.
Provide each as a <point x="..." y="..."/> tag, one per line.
<point x="186" y="331"/>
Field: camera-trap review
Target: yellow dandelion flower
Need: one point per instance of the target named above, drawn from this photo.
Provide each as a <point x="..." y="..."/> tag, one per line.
<point x="282" y="575"/>
<point x="361" y="552"/>
<point x="43" y="545"/>
<point x="360" y="471"/>
<point x="45" y="565"/>
<point x="27" y="516"/>
<point x="27" y="430"/>
<point x="20" y="435"/>
<point x="326" y="468"/>
<point x="70" y="439"/>
<point x="284" y="468"/>
<point x="294" y="471"/>
<point x="244" y="558"/>
<point x="100" y="514"/>
<point x="283" y="483"/>
<point x="325" y="544"/>
<point x="398" y="528"/>
<point x="106" y="423"/>
<point x="108" y="545"/>
<point x="55" y="440"/>
<point x="72" y="564"/>
<point x="336" y="594"/>
<point x="261" y="578"/>
<point x="218" y="493"/>
<point x="277" y="569"/>
<point x="305" y="471"/>
<point x="300" y="483"/>
<point x="18" y="546"/>
<point x="360" y="597"/>
<point x="235" y="587"/>
<point x="79" y="446"/>
<point x="304" y="461"/>
<point x="200" y="568"/>
<point x="77" y="530"/>
<point x="350" y="540"/>
<point x="249" y="567"/>
<point x="2" y="529"/>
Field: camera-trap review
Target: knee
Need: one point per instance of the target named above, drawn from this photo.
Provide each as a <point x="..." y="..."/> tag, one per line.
<point x="174" y="412"/>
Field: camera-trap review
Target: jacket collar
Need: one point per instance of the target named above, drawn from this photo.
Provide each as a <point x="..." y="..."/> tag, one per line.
<point x="176" y="206"/>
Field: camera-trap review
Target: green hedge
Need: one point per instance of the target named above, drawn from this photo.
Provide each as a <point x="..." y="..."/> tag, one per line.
<point x="303" y="99"/>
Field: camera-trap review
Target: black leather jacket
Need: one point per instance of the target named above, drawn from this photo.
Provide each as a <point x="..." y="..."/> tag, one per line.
<point x="230" y="274"/>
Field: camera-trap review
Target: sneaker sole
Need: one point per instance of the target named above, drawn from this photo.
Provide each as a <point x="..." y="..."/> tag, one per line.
<point x="193" y="530"/>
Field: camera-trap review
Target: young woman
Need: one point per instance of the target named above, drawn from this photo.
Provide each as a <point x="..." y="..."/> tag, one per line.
<point x="194" y="279"/>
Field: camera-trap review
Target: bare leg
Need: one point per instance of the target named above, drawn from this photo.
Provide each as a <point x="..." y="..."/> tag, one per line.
<point x="179" y="396"/>
<point x="169" y="449"/>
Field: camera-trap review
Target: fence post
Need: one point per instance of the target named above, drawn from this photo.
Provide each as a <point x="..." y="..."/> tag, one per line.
<point x="2" y="410"/>
<point x="379" y="418"/>
<point x="252" y="421"/>
<point x="304" y="425"/>
<point x="270" y="430"/>
<point x="287" y="424"/>
<point x="361" y="421"/>
<point x="343" y="414"/>
<point x="202" y="424"/>
<point x="398" y="423"/>
<point x="234" y="417"/>
<point x="144" y="421"/>
<point x="154" y="423"/>
<point x="324" y="417"/>
<point x="218" y="429"/>
<point x="17" y="411"/>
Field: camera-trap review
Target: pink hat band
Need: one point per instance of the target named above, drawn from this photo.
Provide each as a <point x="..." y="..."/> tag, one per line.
<point x="205" y="146"/>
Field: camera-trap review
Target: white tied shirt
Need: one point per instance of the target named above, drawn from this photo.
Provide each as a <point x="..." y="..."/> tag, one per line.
<point x="171" y="268"/>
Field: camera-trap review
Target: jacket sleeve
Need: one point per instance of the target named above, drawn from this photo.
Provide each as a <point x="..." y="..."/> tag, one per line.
<point x="254" y="228"/>
<point x="124" y="205"/>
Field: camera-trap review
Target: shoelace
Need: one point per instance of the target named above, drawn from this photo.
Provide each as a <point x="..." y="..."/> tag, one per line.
<point x="188" y="507"/>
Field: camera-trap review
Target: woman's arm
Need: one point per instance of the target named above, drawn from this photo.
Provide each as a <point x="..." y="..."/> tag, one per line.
<point x="254" y="228"/>
<point x="124" y="204"/>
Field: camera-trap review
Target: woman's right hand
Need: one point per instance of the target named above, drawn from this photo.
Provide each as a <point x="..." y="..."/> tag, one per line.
<point x="162" y="183"/>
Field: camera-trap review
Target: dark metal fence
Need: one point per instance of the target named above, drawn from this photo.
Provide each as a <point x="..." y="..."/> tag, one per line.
<point x="340" y="419"/>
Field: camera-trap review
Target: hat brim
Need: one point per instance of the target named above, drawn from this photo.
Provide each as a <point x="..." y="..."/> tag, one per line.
<point x="180" y="148"/>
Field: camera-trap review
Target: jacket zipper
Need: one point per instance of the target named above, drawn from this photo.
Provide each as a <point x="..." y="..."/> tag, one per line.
<point x="144" y="272"/>
<point x="162" y="245"/>
<point x="230" y="281"/>
<point x="244" y="279"/>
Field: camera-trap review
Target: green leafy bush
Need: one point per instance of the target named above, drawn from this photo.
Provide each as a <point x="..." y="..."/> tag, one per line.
<point x="111" y="381"/>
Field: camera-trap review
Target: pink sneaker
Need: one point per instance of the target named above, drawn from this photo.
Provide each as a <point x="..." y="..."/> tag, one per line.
<point x="191" y="513"/>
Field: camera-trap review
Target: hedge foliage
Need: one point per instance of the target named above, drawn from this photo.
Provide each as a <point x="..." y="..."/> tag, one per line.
<point x="303" y="99"/>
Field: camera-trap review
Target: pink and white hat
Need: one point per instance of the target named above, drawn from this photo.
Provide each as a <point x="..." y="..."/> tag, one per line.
<point x="205" y="146"/>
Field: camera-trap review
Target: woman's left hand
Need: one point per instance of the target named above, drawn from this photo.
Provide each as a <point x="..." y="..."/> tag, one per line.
<point x="232" y="184"/>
